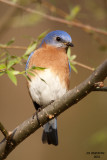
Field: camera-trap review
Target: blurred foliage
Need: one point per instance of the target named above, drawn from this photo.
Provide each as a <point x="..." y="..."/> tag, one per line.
<point x="99" y="138"/>
<point x="99" y="12"/>
<point x="73" y="12"/>
<point x="29" y="19"/>
<point x="25" y="20"/>
<point x="30" y="48"/>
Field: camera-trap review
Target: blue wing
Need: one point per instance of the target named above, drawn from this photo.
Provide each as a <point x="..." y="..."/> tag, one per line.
<point x="69" y="66"/>
<point x="27" y="64"/>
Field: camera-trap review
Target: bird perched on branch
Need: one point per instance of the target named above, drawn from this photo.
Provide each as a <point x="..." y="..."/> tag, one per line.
<point x="51" y="83"/>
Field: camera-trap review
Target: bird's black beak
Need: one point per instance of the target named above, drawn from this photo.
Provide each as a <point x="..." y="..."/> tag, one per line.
<point x="70" y="44"/>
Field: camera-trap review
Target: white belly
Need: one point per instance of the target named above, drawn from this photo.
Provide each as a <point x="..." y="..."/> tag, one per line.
<point x="46" y="90"/>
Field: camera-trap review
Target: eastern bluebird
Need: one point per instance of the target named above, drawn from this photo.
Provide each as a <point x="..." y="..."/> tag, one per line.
<point x="53" y="82"/>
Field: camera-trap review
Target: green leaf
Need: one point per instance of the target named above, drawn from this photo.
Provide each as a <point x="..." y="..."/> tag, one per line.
<point x="25" y="57"/>
<point x="42" y="35"/>
<point x="31" y="48"/>
<point x="33" y="67"/>
<point x="73" y="13"/>
<point x="11" y="63"/>
<point x="30" y="73"/>
<point x="2" y="66"/>
<point x="23" y="72"/>
<point x="15" y="72"/>
<point x="69" y="53"/>
<point x="73" y="57"/>
<point x="27" y="77"/>
<point x="12" y="77"/>
<point x="38" y="68"/>
<point x="10" y="42"/>
<point x="73" y="68"/>
<point x="70" y="57"/>
<point x="43" y="80"/>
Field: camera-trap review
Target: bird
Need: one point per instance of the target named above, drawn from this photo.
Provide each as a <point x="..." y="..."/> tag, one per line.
<point x="47" y="85"/>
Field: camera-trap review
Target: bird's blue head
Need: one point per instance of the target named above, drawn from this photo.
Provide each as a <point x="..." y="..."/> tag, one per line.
<point x="58" y="39"/>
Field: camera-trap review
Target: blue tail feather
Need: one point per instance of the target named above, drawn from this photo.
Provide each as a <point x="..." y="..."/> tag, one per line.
<point x="50" y="134"/>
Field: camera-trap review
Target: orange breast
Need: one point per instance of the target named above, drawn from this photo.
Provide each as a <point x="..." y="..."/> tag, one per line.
<point x="54" y="59"/>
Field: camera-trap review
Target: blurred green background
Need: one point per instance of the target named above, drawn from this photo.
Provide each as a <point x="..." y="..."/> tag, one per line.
<point x="82" y="128"/>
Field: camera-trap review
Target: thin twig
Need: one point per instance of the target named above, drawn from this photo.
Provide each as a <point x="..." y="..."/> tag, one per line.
<point x="53" y="18"/>
<point x="83" y="65"/>
<point x="13" y="47"/>
<point x="3" y="130"/>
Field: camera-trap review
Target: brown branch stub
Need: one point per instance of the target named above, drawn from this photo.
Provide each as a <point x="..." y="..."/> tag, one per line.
<point x="4" y="131"/>
<point x="56" y="108"/>
<point x="53" y="18"/>
<point x="99" y="84"/>
<point x="104" y="89"/>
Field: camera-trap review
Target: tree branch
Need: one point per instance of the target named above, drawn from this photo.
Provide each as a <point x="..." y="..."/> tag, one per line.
<point x="55" y="109"/>
<point x="53" y="18"/>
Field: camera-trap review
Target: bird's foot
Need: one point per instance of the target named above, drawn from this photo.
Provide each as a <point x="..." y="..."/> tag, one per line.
<point x="36" y="114"/>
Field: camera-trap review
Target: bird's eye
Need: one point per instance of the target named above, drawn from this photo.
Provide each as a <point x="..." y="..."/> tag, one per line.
<point x="58" y="38"/>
